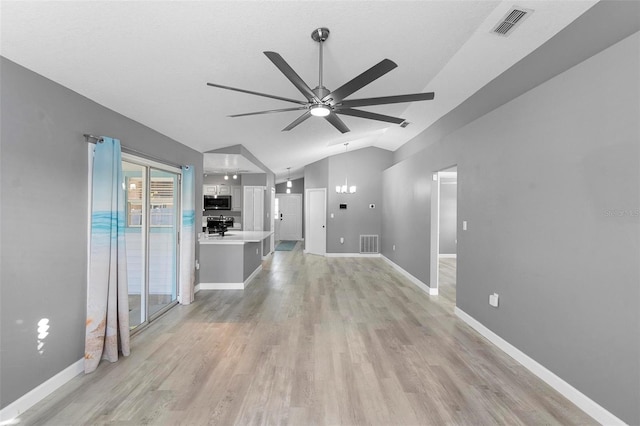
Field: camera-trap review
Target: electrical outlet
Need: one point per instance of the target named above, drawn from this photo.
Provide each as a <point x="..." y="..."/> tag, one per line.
<point x="341" y="240"/>
<point x="394" y="247"/>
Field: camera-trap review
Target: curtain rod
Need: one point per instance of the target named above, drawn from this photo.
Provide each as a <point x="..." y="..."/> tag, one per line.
<point x="95" y="138"/>
<point x="98" y="139"/>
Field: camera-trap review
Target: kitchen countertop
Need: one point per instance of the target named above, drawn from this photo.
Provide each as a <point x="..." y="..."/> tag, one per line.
<point x="235" y="237"/>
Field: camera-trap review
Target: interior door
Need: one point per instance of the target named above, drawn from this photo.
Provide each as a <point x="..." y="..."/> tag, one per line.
<point x="290" y="216"/>
<point x="316" y="221"/>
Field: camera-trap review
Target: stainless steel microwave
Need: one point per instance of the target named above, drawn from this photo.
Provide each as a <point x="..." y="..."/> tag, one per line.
<point x="217" y="202"/>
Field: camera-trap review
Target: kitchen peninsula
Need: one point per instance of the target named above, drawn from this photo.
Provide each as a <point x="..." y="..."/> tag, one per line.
<point x="230" y="262"/>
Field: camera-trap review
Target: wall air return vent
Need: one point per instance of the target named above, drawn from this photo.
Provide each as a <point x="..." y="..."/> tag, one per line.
<point x="511" y="20"/>
<point x="368" y="244"/>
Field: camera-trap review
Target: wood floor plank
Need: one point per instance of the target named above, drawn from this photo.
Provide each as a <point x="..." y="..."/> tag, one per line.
<point x="312" y="341"/>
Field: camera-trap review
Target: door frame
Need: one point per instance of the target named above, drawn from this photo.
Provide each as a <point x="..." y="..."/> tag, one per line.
<point x="272" y="244"/>
<point x="307" y="216"/>
<point x="434" y="257"/>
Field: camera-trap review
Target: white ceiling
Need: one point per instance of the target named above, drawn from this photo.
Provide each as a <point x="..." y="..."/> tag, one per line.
<point x="151" y="61"/>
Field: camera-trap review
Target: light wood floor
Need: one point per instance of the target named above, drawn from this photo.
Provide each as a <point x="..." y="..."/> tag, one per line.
<point x="313" y="340"/>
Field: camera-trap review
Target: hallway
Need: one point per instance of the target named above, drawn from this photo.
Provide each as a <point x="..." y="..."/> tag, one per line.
<point x="312" y="340"/>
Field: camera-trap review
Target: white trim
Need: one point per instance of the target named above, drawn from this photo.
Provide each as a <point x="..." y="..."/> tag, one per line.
<point x="229" y="286"/>
<point x="252" y="276"/>
<point x="142" y="161"/>
<point x="31" y="398"/>
<point x="435" y="233"/>
<point x="196" y="288"/>
<point x="422" y="286"/>
<point x="586" y="404"/>
<point x="447" y="256"/>
<point x="221" y="286"/>
<point x="353" y="255"/>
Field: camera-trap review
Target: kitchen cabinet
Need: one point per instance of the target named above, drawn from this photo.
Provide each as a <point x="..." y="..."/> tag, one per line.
<point x="236" y="198"/>
<point x="224" y="189"/>
<point x="216" y="189"/>
<point x="253" y="208"/>
<point x="210" y="190"/>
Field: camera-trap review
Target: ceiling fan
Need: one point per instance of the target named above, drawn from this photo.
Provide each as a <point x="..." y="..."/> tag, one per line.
<point x="321" y="102"/>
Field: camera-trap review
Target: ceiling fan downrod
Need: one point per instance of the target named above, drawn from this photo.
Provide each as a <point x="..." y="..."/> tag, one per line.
<point x="320" y="35"/>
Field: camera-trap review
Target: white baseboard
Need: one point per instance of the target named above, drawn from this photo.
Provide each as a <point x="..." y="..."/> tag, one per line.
<point x="196" y="288"/>
<point x="447" y="256"/>
<point x="221" y="286"/>
<point x="422" y="286"/>
<point x="229" y="286"/>
<point x="37" y="394"/>
<point x="352" y="254"/>
<point x="586" y="404"/>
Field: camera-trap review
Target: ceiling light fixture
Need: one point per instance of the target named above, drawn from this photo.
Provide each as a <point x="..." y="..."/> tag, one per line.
<point x="320" y="110"/>
<point x="289" y="184"/>
<point x="345" y="189"/>
<point x="226" y="176"/>
<point x="235" y="175"/>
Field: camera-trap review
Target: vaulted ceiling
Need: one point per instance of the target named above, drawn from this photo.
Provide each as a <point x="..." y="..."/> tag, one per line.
<point x="151" y="61"/>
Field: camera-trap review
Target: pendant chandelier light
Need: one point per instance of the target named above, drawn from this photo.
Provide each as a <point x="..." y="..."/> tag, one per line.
<point x="289" y="184"/>
<point x="345" y="189"/>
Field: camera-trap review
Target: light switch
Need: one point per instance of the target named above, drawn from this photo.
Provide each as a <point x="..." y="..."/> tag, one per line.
<point x="493" y="299"/>
<point x="331" y="215"/>
<point x="464" y="225"/>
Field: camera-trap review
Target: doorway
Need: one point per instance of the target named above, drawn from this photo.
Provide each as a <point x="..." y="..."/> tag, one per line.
<point x="289" y="216"/>
<point x="316" y="221"/>
<point x="152" y="200"/>
<point x="444" y="219"/>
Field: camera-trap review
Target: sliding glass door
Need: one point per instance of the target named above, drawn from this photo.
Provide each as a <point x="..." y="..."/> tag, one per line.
<point x="153" y="220"/>
<point x="163" y="239"/>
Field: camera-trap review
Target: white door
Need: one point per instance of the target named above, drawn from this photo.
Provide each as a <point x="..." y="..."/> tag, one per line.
<point x="253" y="208"/>
<point x="290" y="216"/>
<point x="316" y="223"/>
<point x="272" y="240"/>
<point x="276" y="215"/>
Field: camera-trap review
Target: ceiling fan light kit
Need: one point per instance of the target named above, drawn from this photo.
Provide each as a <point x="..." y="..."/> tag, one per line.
<point x="321" y="102"/>
<point x="320" y="110"/>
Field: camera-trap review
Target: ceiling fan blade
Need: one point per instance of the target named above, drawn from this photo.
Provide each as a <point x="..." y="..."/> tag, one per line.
<point x="268" y="112"/>
<point x="297" y="121"/>
<point x="373" y="73"/>
<point x="257" y="93"/>
<point x="388" y="99"/>
<point x="337" y="123"/>
<point x="369" y="115"/>
<point x="293" y="77"/>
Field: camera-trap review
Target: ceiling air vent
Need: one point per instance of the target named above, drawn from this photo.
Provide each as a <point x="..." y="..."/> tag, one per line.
<point x="404" y="124"/>
<point x="511" y="20"/>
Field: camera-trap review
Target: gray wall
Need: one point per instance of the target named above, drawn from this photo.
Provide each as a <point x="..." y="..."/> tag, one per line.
<point x="297" y="187"/>
<point x="44" y="219"/>
<point x="550" y="186"/>
<point x="210" y="179"/>
<point x="316" y="175"/>
<point x="362" y="168"/>
<point x="448" y="218"/>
